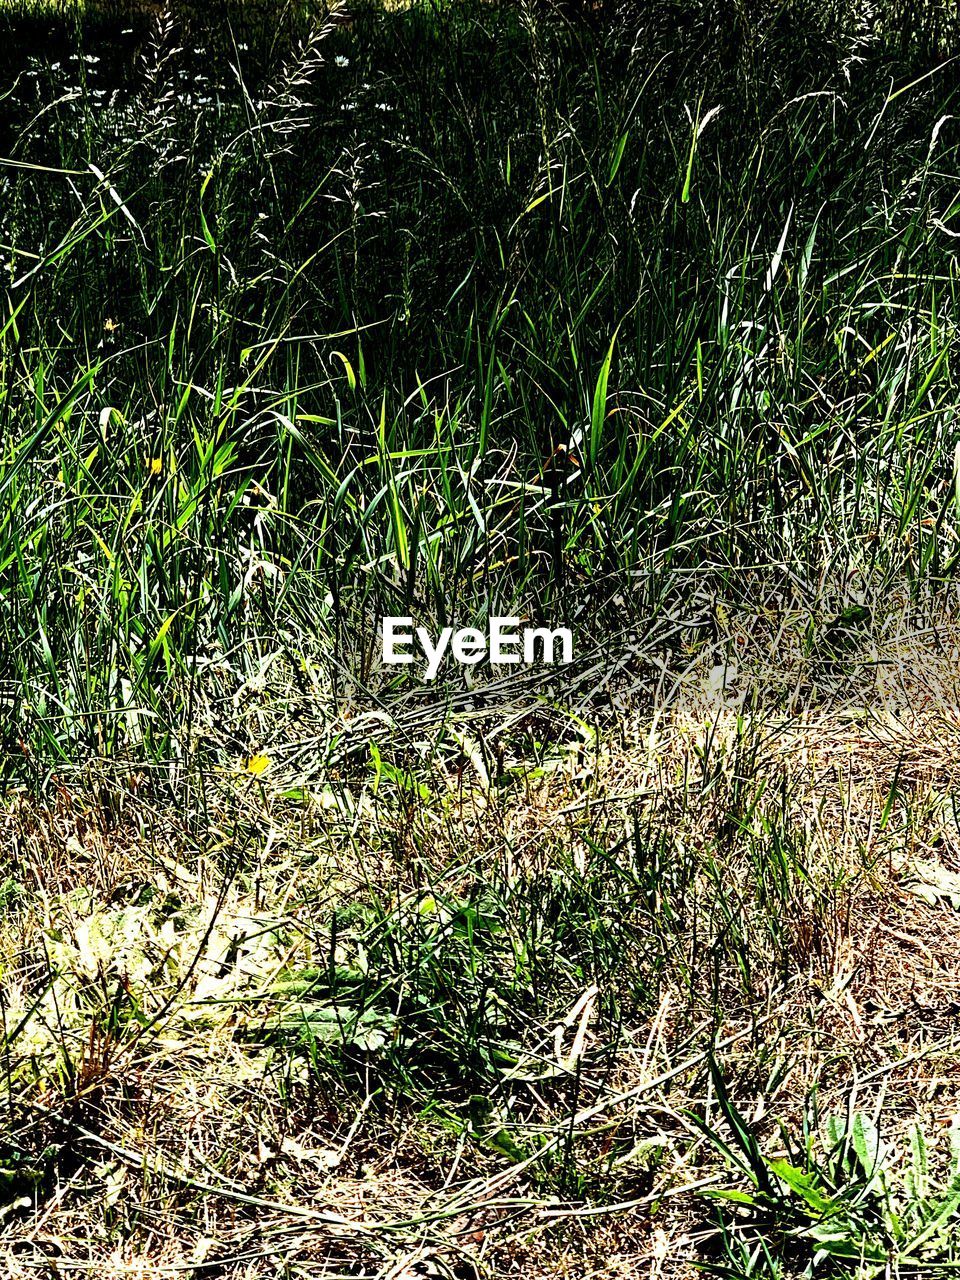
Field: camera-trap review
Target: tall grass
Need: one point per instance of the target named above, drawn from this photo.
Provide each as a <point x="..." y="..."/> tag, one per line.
<point x="279" y="357"/>
<point x="282" y="356"/>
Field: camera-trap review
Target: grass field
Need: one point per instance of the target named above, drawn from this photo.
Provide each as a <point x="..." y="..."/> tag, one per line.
<point x="641" y="966"/>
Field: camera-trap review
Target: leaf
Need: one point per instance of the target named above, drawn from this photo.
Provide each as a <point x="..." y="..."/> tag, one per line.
<point x="204" y="225"/>
<point x="804" y="1184"/>
<point x="599" y="412"/>
<point x="774" y="267"/>
<point x="842" y="1240"/>
<point x="933" y="882"/>
<point x="337" y="1024"/>
<point x="348" y="369"/>
<point x="866" y="1143"/>
<point x="617" y="156"/>
<point x="161" y="636"/>
<point x="916" y="1176"/>
<point x="742" y="1133"/>
<point x="735" y="1197"/>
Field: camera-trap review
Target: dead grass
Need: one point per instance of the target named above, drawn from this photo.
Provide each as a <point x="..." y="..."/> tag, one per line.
<point x="190" y="1138"/>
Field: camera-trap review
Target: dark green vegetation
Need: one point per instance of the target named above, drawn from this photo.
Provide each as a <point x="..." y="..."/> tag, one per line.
<point x="293" y="350"/>
<point x="293" y="312"/>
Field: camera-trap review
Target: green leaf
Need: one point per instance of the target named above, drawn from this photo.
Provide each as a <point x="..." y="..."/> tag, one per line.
<point x="735" y="1197"/>
<point x="204" y="225"/>
<point x="348" y="369"/>
<point x="866" y="1143"/>
<point x="755" y="1165"/>
<point x="804" y="1184"/>
<point x="599" y="412"/>
<point x="617" y="155"/>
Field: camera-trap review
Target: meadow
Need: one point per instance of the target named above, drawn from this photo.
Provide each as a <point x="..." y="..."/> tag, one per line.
<point x="637" y="319"/>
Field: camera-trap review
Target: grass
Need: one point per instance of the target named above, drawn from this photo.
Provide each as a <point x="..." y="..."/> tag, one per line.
<point x="639" y="967"/>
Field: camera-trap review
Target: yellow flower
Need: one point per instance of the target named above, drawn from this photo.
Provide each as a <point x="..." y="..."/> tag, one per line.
<point x="257" y="764"/>
<point x="155" y="465"/>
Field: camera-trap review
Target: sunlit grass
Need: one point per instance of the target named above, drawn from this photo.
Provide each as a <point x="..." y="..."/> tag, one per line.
<point x="291" y="332"/>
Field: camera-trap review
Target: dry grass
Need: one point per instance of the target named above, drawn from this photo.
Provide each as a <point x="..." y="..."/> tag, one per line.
<point x="164" y="1127"/>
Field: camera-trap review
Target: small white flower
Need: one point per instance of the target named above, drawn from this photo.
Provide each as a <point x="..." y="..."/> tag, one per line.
<point x="341" y="61"/>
